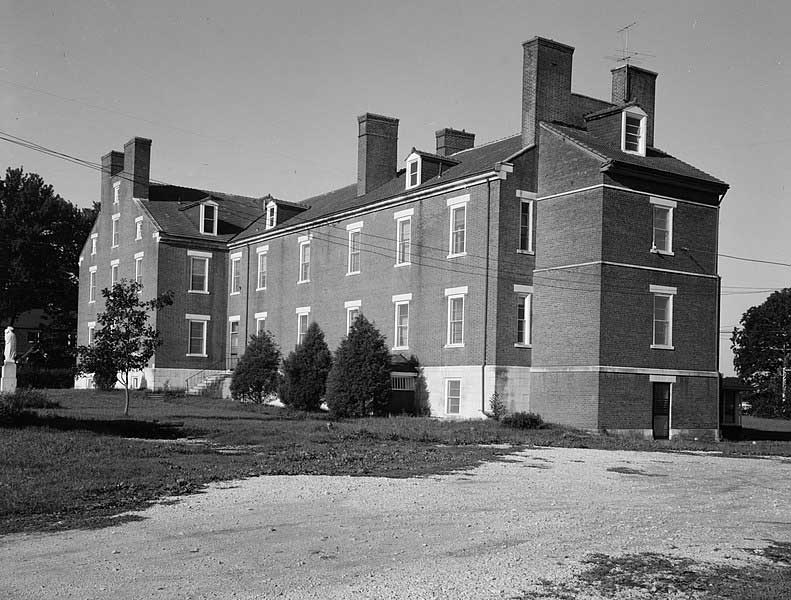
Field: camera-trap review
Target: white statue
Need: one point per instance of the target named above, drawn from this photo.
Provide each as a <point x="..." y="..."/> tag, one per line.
<point x="10" y="344"/>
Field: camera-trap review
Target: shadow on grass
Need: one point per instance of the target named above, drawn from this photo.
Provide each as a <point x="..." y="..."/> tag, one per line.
<point x="126" y="428"/>
<point x="758" y="434"/>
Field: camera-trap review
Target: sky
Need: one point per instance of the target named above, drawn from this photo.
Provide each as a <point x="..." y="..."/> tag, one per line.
<point x="259" y="98"/>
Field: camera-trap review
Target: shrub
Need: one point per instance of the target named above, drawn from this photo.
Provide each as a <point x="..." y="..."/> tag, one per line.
<point x="256" y="375"/>
<point x="305" y="372"/>
<point x="45" y="377"/>
<point x="523" y="420"/>
<point x="13" y="405"/>
<point x="359" y="381"/>
<point x="497" y="408"/>
<point x="105" y="378"/>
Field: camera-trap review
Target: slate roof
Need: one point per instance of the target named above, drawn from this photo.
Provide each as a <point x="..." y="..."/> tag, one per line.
<point x="168" y="206"/>
<point x="470" y="162"/>
<point x="654" y="159"/>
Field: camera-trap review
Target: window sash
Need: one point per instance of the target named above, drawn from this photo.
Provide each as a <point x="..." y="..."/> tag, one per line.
<point x="351" y="315"/>
<point x="663" y="320"/>
<point x="113" y="274"/>
<point x="234" y="337"/>
<point x="402" y="324"/>
<point x="526" y="226"/>
<point x="91" y="331"/>
<point x="139" y="270"/>
<point x="453" y="396"/>
<point x="662" y="227"/>
<point x="197" y="337"/>
<point x="199" y="274"/>
<point x="354" y="251"/>
<point x="235" y="277"/>
<point x="523" y="319"/>
<point x="632" y="134"/>
<point x="404" y="243"/>
<point x="260" y="326"/>
<point x="209" y="219"/>
<point x="304" y="262"/>
<point x="458" y="229"/>
<point x="261" y="284"/>
<point x="92" y="287"/>
<point x="115" y="233"/>
<point x="302" y="327"/>
<point x="413" y="173"/>
<point x="455" y="320"/>
<point x="138" y="230"/>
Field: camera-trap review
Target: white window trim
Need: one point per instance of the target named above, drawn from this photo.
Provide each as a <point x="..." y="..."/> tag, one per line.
<point x="399" y="220"/>
<point x="115" y="271"/>
<point x="529" y="199"/>
<point x="402" y="297"/>
<point x="116" y="192"/>
<point x="194" y="317"/>
<point x="199" y="254"/>
<point x="636" y="113"/>
<point x="396" y="304"/>
<point x="670" y="205"/>
<point x="206" y="256"/>
<point x="400" y="214"/>
<point x="669" y="293"/>
<point x="453" y="205"/>
<point x="216" y="217"/>
<point x="526" y="292"/>
<point x="303" y="241"/>
<point x="115" y="234"/>
<point x="413" y="159"/>
<point x="235" y="264"/>
<point x="302" y="311"/>
<point x="452" y="294"/>
<point x="350" y="306"/>
<point x="271" y="215"/>
<point x="139" y="272"/>
<point x="138" y="228"/>
<point x="94" y="238"/>
<point x="233" y="318"/>
<point x="204" y="319"/>
<point x="259" y="252"/>
<point x="447" y="395"/>
<point x="662" y="379"/>
<point x="353" y="228"/>
<point x="91" y="331"/>
<point x="92" y="280"/>
<point x="259" y="316"/>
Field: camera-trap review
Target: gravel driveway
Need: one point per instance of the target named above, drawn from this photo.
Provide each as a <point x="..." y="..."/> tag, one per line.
<point x="486" y="533"/>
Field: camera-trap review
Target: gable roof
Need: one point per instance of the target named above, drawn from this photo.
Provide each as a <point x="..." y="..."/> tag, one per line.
<point x="654" y="159"/>
<point x="472" y="161"/>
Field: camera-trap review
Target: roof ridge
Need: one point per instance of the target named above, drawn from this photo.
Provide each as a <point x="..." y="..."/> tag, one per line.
<point x="489" y="143"/>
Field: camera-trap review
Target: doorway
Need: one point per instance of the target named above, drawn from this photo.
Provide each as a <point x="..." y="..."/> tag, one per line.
<point x="661" y="411"/>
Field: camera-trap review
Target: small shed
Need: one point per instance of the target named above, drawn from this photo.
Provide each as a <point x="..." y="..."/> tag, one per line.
<point x="732" y="392"/>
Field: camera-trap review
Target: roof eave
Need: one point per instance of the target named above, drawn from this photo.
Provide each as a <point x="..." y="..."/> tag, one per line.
<point x="705" y="185"/>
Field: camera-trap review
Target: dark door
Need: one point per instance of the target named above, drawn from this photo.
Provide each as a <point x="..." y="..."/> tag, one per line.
<point x="661" y="411"/>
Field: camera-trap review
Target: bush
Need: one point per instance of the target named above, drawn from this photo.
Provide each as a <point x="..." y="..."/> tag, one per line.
<point x="497" y="408"/>
<point x="44" y="377"/>
<point x="523" y="420"/>
<point x="256" y="375"/>
<point x="13" y="405"/>
<point x="359" y="382"/>
<point x="305" y="372"/>
<point x="105" y="379"/>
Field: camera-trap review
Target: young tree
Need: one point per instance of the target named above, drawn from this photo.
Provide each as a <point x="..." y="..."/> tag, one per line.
<point x="305" y="371"/>
<point x="123" y="341"/>
<point x="359" y="381"/>
<point x="762" y="349"/>
<point x="256" y="375"/>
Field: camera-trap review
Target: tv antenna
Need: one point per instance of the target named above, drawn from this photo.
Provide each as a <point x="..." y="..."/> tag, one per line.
<point x="625" y="55"/>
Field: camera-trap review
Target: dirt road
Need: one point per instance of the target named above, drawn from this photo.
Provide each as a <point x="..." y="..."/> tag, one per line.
<point x="486" y="533"/>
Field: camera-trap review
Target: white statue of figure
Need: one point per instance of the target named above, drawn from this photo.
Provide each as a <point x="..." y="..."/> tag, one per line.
<point x="10" y="344"/>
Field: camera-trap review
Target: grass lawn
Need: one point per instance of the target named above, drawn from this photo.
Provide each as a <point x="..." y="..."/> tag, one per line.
<point x="82" y="464"/>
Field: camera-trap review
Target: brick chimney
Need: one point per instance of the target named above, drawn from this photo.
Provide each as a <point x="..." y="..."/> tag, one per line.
<point x="112" y="164"/>
<point x="450" y="141"/>
<point x="137" y="163"/>
<point x="633" y="83"/>
<point x="377" y="151"/>
<point x="546" y="85"/>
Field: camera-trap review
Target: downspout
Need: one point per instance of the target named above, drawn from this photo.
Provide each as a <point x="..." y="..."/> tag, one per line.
<point x="717" y="322"/>
<point x="486" y="294"/>
<point x="247" y="299"/>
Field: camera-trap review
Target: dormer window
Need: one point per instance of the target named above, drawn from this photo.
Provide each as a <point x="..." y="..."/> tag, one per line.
<point x="412" y="171"/>
<point x="633" y="124"/>
<point x="208" y="218"/>
<point x="271" y="215"/>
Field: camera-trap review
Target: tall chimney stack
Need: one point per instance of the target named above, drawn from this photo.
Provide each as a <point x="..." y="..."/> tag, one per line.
<point x="137" y="164"/>
<point x="450" y="141"/>
<point x="377" y="151"/>
<point x="633" y="83"/>
<point x="546" y="85"/>
<point x="112" y="164"/>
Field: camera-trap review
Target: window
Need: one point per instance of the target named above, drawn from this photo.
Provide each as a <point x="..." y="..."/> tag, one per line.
<point x="196" y="345"/>
<point x="401" y="324"/>
<point x="404" y="239"/>
<point x="92" y="285"/>
<point x="94" y="237"/>
<point x="113" y="273"/>
<point x="304" y="260"/>
<point x="116" y="217"/>
<point x="139" y="228"/>
<point x="524" y="307"/>
<point x="662" y="225"/>
<point x="303" y="315"/>
<point x="525" y="221"/>
<point x="352" y="312"/>
<point x="139" y="268"/>
<point x="233" y="336"/>
<point x="271" y="215"/>
<point x="116" y="191"/>
<point x="633" y="126"/>
<point x="199" y="271"/>
<point x="452" y="396"/>
<point x="208" y="218"/>
<point x="458" y="225"/>
<point x="91" y="331"/>
<point x="236" y="285"/>
<point x="455" y="316"/>
<point x="355" y="233"/>
<point x="261" y="251"/>
<point x="413" y="172"/>
<point x="663" y="316"/>
<point x="260" y="322"/>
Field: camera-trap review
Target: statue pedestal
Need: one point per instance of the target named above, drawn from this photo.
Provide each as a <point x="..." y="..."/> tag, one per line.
<point x="8" y="379"/>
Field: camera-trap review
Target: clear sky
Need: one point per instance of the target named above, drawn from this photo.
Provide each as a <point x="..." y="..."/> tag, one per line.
<point x="262" y="97"/>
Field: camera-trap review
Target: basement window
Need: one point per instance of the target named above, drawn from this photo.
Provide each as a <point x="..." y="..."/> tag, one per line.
<point x="633" y="124"/>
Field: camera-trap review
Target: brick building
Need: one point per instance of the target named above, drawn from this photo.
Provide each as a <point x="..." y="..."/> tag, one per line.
<point x="571" y="267"/>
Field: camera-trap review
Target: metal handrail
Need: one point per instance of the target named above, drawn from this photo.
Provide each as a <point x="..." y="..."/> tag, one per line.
<point x="224" y="364"/>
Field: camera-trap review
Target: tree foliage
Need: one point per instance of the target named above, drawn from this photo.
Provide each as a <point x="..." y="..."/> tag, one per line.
<point x="305" y="371"/>
<point x="759" y="344"/>
<point x="41" y="238"/>
<point x="359" y="381"/>
<point x="123" y="341"/>
<point x="256" y="375"/>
